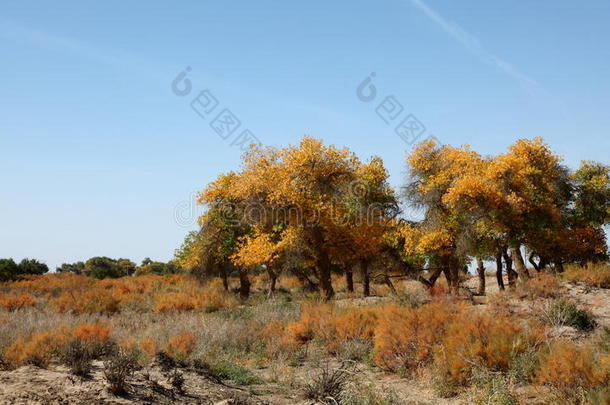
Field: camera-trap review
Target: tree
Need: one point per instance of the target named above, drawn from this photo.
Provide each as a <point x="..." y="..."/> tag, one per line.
<point x="105" y="267"/>
<point x="208" y="252"/>
<point x="76" y="268"/>
<point x="433" y="170"/>
<point x="514" y="199"/>
<point x="8" y="270"/>
<point x="126" y="267"/>
<point x="310" y="192"/>
<point x="32" y="266"/>
<point x="159" y="268"/>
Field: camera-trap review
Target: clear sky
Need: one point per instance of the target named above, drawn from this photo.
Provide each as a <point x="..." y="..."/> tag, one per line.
<point x="100" y="157"/>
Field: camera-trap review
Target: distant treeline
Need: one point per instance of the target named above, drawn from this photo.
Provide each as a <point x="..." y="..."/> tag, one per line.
<point x="97" y="267"/>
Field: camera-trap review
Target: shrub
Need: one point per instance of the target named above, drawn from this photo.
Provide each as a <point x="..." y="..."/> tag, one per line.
<point x="490" y="341"/>
<point x="597" y="275"/>
<point x="353" y="324"/>
<point x="17" y="302"/>
<point x="77" y="356"/>
<point x="542" y="286"/>
<point x="180" y="346"/>
<point x="226" y="370"/>
<point x="405" y="337"/>
<point x="210" y="298"/>
<point x="92" y="332"/>
<point x="117" y="368"/>
<point x="176" y="302"/>
<point x="277" y="339"/>
<point x="39" y="349"/>
<point x="570" y="369"/>
<point x="148" y="347"/>
<point x="315" y="320"/>
<point x="355" y="349"/>
<point x="524" y="367"/>
<point x="331" y="326"/>
<point x="494" y="388"/>
<point x="565" y="312"/>
<point x="93" y="300"/>
<point x="328" y="385"/>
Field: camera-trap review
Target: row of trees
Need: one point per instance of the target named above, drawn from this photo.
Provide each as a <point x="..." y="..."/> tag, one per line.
<point x="97" y="267"/>
<point x="313" y="209"/>
<point x="9" y="270"/>
<point x="105" y="267"/>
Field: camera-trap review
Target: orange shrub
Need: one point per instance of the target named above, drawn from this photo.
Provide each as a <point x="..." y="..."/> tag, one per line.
<point x="353" y="323"/>
<point x="52" y="283"/>
<point x="405" y="337"/>
<point x="278" y="339"/>
<point x="182" y="345"/>
<point x="39" y="349"/>
<point x="176" y="302"/>
<point x="490" y="340"/>
<point x="94" y="300"/>
<point x="314" y="322"/>
<point x="148" y="347"/>
<point x="19" y="302"/>
<point x="597" y="275"/>
<point x="190" y="297"/>
<point x="542" y="286"/>
<point x="92" y="332"/>
<point x="569" y="368"/>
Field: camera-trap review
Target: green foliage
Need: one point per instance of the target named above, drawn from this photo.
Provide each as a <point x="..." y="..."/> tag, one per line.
<point x="494" y="388"/>
<point x="9" y="270"/>
<point x="565" y="312"/>
<point x="159" y="268"/>
<point x="76" y="268"/>
<point x="105" y="267"/>
<point x="32" y="266"/>
<point x="226" y="370"/>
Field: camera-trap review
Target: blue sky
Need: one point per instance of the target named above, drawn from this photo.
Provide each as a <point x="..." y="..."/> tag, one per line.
<point x="100" y="157"/>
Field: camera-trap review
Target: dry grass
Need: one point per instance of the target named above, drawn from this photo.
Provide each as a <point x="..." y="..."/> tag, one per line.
<point x="418" y="334"/>
<point x="572" y="370"/>
<point x="596" y="275"/>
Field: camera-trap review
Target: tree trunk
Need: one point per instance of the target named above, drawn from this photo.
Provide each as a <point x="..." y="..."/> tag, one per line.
<point x="533" y="262"/>
<point x="364" y="274"/>
<point x="481" y="273"/>
<point x="509" y="269"/>
<point x="452" y="274"/>
<point x="324" y="273"/>
<point x="244" y="284"/>
<point x="559" y="266"/>
<point x="273" y="281"/>
<point x="436" y="273"/>
<point x="225" y="277"/>
<point x="390" y="285"/>
<point x="543" y="263"/>
<point x="499" y="271"/>
<point x="515" y="253"/>
<point x="349" y="281"/>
